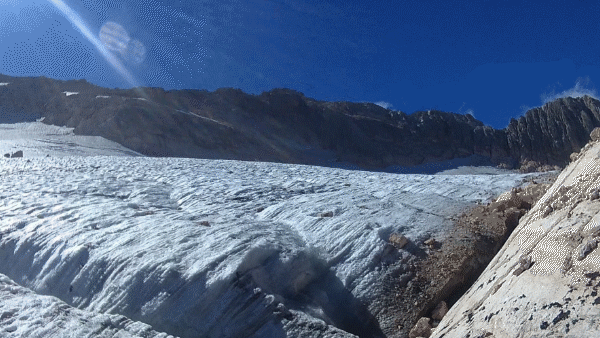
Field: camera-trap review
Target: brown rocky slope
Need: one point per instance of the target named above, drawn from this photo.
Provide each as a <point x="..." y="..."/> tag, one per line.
<point x="452" y="266"/>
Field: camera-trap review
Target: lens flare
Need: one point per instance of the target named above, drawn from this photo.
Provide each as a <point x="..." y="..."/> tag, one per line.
<point x="135" y="52"/>
<point x="114" y="37"/>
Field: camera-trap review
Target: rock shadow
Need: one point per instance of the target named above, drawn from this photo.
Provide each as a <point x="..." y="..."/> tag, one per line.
<point x="339" y="307"/>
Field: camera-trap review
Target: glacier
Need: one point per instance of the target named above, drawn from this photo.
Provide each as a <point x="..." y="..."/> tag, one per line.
<point x="207" y="248"/>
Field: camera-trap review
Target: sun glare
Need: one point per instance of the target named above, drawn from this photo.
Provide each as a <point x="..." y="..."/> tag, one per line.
<point x="76" y="20"/>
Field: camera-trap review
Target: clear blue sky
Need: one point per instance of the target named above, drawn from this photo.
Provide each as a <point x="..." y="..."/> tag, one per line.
<point x="491" y="58"/>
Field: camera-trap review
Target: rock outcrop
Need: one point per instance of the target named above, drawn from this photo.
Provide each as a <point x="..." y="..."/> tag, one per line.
<point x="549" y="134"/>
<point x="16" y="154"/>
<point x="285" y="126"/>
<point x="544" y="281"/>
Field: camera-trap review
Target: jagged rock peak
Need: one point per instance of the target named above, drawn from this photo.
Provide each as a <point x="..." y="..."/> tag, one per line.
<point x="283" y="91"/>
<point x="549" y="134"/>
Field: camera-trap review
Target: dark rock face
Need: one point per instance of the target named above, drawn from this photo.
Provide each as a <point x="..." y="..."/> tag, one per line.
<point x="548" y="135"/>
<point x="283" y="125"/>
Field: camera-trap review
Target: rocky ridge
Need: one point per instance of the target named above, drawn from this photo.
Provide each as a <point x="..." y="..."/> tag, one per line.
<point x="549" y="134"/>
<point x="285" y="126"/>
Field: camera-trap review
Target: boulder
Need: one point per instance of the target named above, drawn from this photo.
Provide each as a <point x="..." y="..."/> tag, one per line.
<point x="398" y="240"/>
<point x="574" y="156"/>
<point x="18" y="153"/>
<point x="431" y="243"/>
<point x="421" y="329"/>
<point x="510" y="199"/>
<point x="326" y="214"/>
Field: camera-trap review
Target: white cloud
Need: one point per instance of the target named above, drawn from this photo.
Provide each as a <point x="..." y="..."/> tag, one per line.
<point x="384" y="104"/>
<point x="468" y="111"/>
<point x="524" y="108"/>
<point x="578" y="91"/>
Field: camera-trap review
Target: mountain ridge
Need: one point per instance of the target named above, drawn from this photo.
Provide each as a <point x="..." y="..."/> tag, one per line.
<point x="283" y="125"/>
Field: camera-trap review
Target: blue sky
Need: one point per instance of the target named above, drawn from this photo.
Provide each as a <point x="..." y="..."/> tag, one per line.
<point x="493" y="59"/>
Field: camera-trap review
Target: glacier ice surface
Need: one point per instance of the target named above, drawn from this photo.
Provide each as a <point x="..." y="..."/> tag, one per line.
<point x="218" y="248"/>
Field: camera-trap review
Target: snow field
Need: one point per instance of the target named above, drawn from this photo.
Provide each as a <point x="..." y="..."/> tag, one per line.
<point x="37" y="139"/>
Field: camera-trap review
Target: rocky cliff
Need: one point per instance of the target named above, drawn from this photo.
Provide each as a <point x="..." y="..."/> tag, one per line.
<point x="549" y="134"/>
<point x="285" y="126"/>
